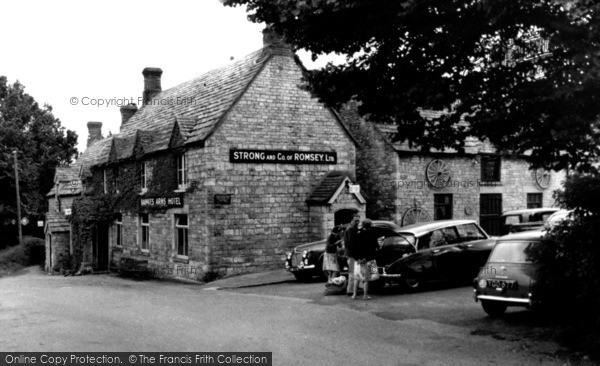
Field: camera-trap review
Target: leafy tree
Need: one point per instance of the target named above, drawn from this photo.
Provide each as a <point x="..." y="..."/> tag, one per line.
<point x="403" y="56"/>
<point x="42" y="145"/>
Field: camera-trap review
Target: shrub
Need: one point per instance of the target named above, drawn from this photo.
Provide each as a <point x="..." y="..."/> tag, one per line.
<point x="569" y="274"/>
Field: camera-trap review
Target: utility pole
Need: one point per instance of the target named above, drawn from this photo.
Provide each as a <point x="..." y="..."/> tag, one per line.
<point x="18" y="199"/>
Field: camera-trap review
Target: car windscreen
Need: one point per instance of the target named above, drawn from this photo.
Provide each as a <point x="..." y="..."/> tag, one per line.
<point x="512" y="252"/>
<point x="409" y="237"/>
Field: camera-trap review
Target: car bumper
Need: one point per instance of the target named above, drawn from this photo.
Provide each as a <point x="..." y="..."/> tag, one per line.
<point x="511" y="300"/>
<point x="383" y="274"/>
<point x="309" y="267"/>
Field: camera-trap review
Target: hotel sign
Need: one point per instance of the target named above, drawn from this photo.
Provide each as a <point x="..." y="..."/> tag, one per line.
<point x="282" y="157"/>
<point x="162" y="202"/>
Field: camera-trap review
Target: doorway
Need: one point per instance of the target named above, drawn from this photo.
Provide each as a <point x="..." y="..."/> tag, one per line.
<point x="343" y="216"/>
<point x="100" y="246"/>
<point x="490" y="209"/>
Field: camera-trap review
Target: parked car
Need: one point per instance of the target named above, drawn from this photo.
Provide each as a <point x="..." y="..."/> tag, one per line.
<point x="306" y="261"/>
<point x="524" y="220"/>
<point x="509" y="274"/>
<point x="556" y="218"/>
<point x="434" y="251"/>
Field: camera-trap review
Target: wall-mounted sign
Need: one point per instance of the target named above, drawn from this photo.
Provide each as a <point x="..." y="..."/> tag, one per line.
<point x="354" y="188"/>
<point x="282" y="157"/>
<point x="222" y="199"/>
<point x="67" y="211"/>
<point x="162" y="202"/>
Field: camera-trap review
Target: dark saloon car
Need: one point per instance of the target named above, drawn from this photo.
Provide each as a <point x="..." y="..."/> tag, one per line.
<point x="306" y="261"/>
<point x="509" y="274"/>
<point x="524" y="220"/>
<point x="434" y="251"/>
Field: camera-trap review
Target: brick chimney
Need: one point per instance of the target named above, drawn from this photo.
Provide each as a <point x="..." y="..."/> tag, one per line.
<point x="151" y="83"/>
<point x="94" y="132"/>
<point x="275" y="43"/>
<point x="127" y="111"/>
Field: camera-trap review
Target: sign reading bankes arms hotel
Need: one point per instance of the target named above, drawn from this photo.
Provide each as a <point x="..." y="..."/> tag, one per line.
<point x="282" y="157"/>
<point x="162" y="202"/>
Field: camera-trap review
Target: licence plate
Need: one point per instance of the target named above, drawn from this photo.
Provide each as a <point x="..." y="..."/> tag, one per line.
<point x="501" y="285"/>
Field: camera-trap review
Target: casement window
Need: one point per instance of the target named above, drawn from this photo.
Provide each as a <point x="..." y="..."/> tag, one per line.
<point x="182" y="171"/>
<point x="119" y="231"/>
<point x="534" y="200"/>
<point x="442" y="206"/>
<point x="144" y="234"/>
<point x="490" y="168"/>
<point x="104" y="181"/>
<point x="144" y="176"/>
<point x="181" y="235"/>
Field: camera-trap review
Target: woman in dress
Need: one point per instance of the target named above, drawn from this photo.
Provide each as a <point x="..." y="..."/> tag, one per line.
<point x="330" y="258"/>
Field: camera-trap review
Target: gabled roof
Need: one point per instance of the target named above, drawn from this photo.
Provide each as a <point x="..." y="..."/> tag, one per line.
<point x="199" y="103"/>
<point x="330" y="187"/>
<point x="63" y="176"/>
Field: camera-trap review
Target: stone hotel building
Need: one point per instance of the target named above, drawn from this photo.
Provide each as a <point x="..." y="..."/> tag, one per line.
<point x="249" y="166"/>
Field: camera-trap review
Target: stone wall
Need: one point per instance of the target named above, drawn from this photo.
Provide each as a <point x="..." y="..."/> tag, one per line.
<point x="268" y="214"/>
<point x="375" y="165"/>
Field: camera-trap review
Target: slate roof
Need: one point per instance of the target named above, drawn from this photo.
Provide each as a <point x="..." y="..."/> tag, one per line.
<point x="472" y="144"/>
<point x="186" y="113"/>
<point x="327" y="187"/>
<point x="56" y="222"/>
<point x="199" y="103"/>
<point x="63" y="176"/>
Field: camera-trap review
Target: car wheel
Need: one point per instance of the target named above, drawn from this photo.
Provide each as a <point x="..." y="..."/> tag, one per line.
<point x="493" y="308"/>
<point x="413" y="283"/>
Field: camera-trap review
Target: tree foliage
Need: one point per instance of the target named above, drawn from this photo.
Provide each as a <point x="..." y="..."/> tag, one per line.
<point x="451" y="55"/>
<point x="42" y="144"/>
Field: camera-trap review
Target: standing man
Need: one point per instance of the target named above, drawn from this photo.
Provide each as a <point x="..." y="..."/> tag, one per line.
<point x="350" y="244"/>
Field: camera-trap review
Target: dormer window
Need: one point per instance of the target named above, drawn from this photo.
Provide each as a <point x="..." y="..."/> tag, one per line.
<point x="144" y="176"/>
<point x="181" y="172"/>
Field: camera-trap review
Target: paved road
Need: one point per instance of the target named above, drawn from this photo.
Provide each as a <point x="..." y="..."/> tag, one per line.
<point x="294" y="321"/>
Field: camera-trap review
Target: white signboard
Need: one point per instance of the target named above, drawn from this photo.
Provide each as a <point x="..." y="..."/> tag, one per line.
<point x="354" y="188"/>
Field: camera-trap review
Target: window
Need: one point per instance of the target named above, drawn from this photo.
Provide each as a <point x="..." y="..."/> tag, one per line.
<point x="144" y="176"/>
<point x="181" y="171"/>
<point x="144" y="232"/>
<point x="181" y="235"/>
<point x="104" y="181"/>
<point x="442" y="206"/>
<point x="469" y="232"/>
<point x="534" y="200"/>
<point x="119" y="230"/>
<point x="490" y="168"/>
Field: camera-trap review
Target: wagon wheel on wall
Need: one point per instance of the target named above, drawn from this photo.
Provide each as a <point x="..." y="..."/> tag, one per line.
<point x="542" y="178"/>
<point x="438" y="173"/>
<point x="415" y="215"/>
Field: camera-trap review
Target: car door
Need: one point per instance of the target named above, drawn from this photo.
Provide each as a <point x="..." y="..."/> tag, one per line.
<point x="476" y="247"/>
<point x="446" y="254"/>
<point x="420" y="263"/>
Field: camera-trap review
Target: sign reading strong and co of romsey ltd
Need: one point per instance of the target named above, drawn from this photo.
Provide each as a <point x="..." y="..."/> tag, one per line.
<point x="162" y="202"/>
<point x="282" y="157"/>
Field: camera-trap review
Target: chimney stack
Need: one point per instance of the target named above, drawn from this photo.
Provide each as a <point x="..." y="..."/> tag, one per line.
<point x="94" y="132"/>
<point x="275" y="42"/>
<point x="127" y="111"/>
<point x="151" y="83"/>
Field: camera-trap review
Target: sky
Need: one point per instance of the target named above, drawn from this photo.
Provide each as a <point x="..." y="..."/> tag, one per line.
<point x="72" y="54"/>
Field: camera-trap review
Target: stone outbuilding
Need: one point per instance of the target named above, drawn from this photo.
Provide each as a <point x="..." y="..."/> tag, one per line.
<point x="407" y="185"/>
